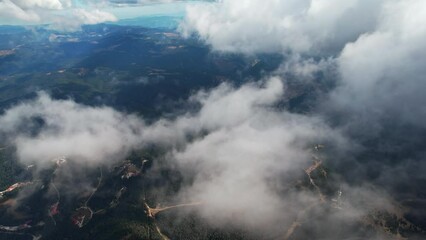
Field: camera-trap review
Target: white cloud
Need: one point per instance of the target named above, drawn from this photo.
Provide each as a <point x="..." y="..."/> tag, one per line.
<point x="377" y="48"/>
<point x="384" y="69"/>
<point x="45" y="4"/>
<point x="238" y="146"/>
<point x="9" y="9"/>
<point x="222" y="107"/>
<point x="240" y="149"/>
<point x="93" y="17"/>
<point x="85" y="134"/>
<point x="242" y="153"/>
<point x="79" y="17"/>
<point x="62" y="14"/>
<point x="253" y="26"/>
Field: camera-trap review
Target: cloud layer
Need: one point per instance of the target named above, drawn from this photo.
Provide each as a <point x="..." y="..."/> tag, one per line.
<point x="65" y="14"/>
<point x="242" y="148"/>
<point x="256" y="26"/>
<point x="384" y="69"/>
<point x="241" y="155"/>
<point x="45" y="129"/>
<point x="239" y="148"/>
<point x="372" y="50"/>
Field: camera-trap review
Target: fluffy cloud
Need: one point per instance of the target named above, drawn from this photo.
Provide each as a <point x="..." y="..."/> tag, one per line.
<point x="64" y="14"/>
<point x="238" y="146"/>
<point x="241" y="154"/>
<point x="375" y="46"/>
<point x="373" y="50"/>
<point x="380" y="98"/>
<point x="384" y="69"/>
<point x="79" y="17"/>
<point x="9" y="9"/>
<point x="220" y="108"/>
<point x="93" y="17"/>
<point x="253" y="26"/>
<point x="46" y="4"/>
<point x="239" y="168"/>
<point x="45" y="129"/>
<point x="30" y="11"/>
